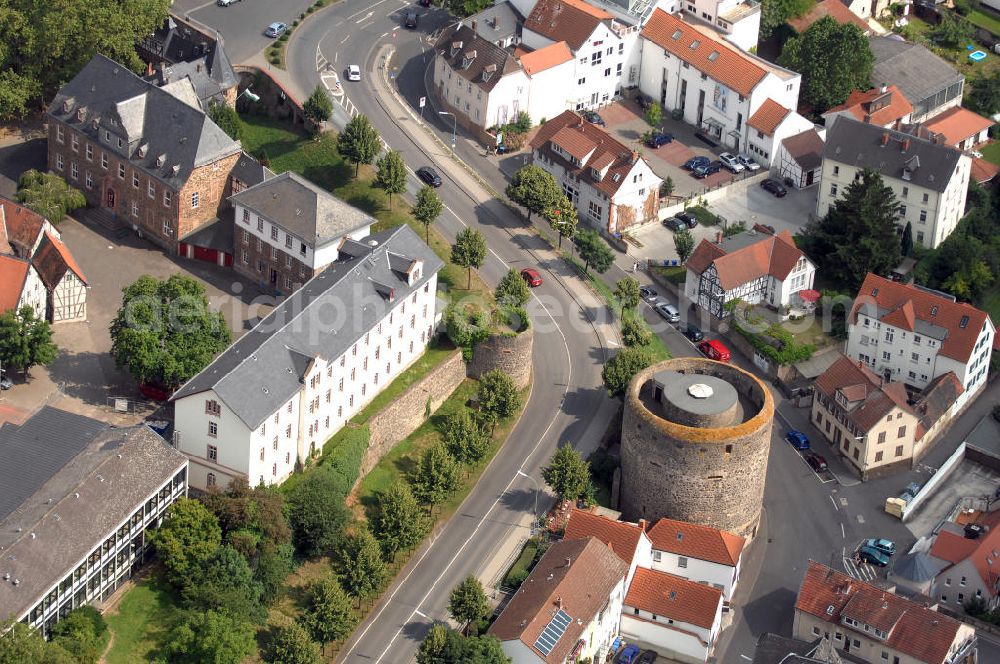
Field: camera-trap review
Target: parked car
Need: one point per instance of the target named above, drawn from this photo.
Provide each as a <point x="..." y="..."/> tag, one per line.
<point x="410" y="21"/>
<point x="715" y="350"/>
<point x="644" y="101"/>
<point x="873" y="556"/>
<point x="708" y="169"/>
<point x="675" y="224"/>
<point x="816" y="462"/>
<point x="502" y="149"/>
<point x="659" y="138"/>
<point x="693" y="332"/>
<point x="275" y="30"/>
<point x="668" y="311"/>
<point x="629" y="655"/>
<point x="593" y="118"/>
<point x="5" y="383"/>
<point x="531" y="277"/>
<point x="694" y="162"/>
<point x="774" y="187"/>
<point x="647" y="657"/>
<point x="798" y="439"/>
<point x="731" y="162"/>
<point x="425" y="3"/>
<point x="747" y="162"/>
<point x="225" y="3"/>
<point x="689" y="219"/>
<point x="429" y="175"/>
<point x="353" y="73"/>
<point x="888" y="547"/>
<point x="647" y="293"/>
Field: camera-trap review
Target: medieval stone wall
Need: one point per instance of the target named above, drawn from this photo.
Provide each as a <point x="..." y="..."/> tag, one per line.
<point x="510" y="354"/>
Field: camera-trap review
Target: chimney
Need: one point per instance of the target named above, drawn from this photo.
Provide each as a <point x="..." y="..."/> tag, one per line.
<point x="496" y="22"/>
<point x="569" y="561"/>
<point x="475" y="24"/>
<point x="149" y="69"/>
<point x="642" y="524"/>
<point x="559" y="602"/>
<point x="635" y="156"/>
<point x="885" y="139"/>
<point x="197" y="67"/>
<point x="906" y="145"/>
<point x="884" y="88"/>
<point x="718" y="237"/>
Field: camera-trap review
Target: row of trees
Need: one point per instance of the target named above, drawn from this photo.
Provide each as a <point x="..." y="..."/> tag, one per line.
<point x="79" y="638"/>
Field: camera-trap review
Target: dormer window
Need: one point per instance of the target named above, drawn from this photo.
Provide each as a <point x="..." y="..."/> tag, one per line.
<point x="468" y="58"/>
<point x="161" y="160"/>
<point x="67" y="105"/>
<point x="456" y="46"/>
<point x="143" y="149"/>
<point x="175" y="169"/>
<point x="488" y="72"/>
<point x="79" y="115"/>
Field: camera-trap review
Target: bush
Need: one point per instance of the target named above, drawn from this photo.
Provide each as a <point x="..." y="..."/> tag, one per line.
<point x="466" y="327"/>
<point x="275" y="60"/>
<point x="343" y="461"/>
<point x="311" y="9"/>
<point x="634" y="330"/>
<point x="516" y="318"/>
<point x="734" y="228"/>
<point x="776" y="344"/>
<point x="523" y="123"/>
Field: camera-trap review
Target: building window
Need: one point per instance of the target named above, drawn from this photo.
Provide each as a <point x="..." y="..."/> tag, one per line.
<point x="135" y="209"/>
<point x="923" y="216"/>
<point x="121" y="171"/>
<point x="151" y="189"/>
<point x="925" y="198"/>
<point x="167" y="196"/>
<point x="90" y="180"/>
<point x="262" y="454"/>
<point x="194" y="199"/>
<point x="59" y="134"/>
<point x="682" y="562"/>
<point x="74" y="170"/>
<point x="878" y="457"/>
<point x="274" y="443"/>
<point x="59" y="162"/>
<point x="245" y="257"/>
<point x="210" y="479"/>
<point x="833" y="189"/>
<point x="213" y="452"/>
<point x="274" y="232"/>
<point x="274" y="469"/>
<point x="899" y="450"/>
<point x="135" y="180"/>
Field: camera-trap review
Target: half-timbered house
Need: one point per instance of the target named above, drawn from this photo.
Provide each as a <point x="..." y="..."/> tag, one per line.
<point x="63" y="279"/>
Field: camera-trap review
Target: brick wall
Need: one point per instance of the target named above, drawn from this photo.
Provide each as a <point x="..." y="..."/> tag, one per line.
<point x="510" y="354"/>
<point x="210" y="182"/>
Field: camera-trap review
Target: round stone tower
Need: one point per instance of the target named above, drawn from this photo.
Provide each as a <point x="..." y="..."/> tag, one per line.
<point x="695" y="440"/>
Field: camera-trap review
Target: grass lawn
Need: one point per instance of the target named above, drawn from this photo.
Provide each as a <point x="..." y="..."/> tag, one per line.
<point x="991" y="152"/>
<point x="984" y="19"/>
<point x="675" y="275"/>
<point x="434" y="356"/>
<point x="523" y="563"/>
<point x="809" y="331"/>
<point x="140" y="623"/>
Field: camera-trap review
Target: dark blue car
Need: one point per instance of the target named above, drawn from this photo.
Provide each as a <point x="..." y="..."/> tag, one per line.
<point x="629" y="655"/>
<point x="695" y="162"/>
<point x="656" y="140"/>
<point x="705" y="170"/>
<point x="797" y="439"/>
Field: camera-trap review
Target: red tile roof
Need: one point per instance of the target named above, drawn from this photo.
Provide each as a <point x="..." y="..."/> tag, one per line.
<point x="983" y="171"/>
<point x="580" y="588"/>
<point x="864" y="107"/>
<point x="546" y="57"/>
<point x="23" y="226"/>
<point x="674" y="597"/>
<point x="13" y="274"/>
<point x="986" y="559"/>
<point x="768" y="116"/>
<point x="728" y="66"/>
<point x="872" y="398"/>
<point x="775" y="255"/>
<point x="53" y="259"/>
<point x="695" y="541"/>
<point x="580" y="138"/>
<point x="952" y="547"/>
<point x="889" y="295"/>
<point x="958" y="124"/>
<point x="833" y="8"/>
<point x="623" y="538"/>
<point x="914" y="629"/>
<point x="572" y="21"/>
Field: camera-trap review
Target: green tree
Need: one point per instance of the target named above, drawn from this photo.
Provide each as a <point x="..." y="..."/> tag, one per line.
<point x="952" y="31"/>
<point x="468" y="602"/>
<point x="446" y="646"/>
<point x="512" y="291"/>
<point x="329" y="614"/>
<point x="833" y="58"/>
<point x="498" y="395"/>
<point x="364" y="570"/>
<point x="427" y="209"/>
<point x="290" y="644"/>
<point x="391" y="174"/>
<point x="436" y="476"/>
<point x="208" y="636"/>
<point x="858" y="233"/>
<point x="906" y="241"/>
<point x="654" y="115"/>
<point x="48" y="195"/>
<point x="469" y="251"/>
<point x="683" y="243"/>
<point x="463" y="438"/>
<point x="271" y="566"/>
<point x="25" y="340"/>
<point x="594" y="251"/>
<point x="399" y="522"/>
<point x="359" y="143"/>
<point x="984" y="95"/>
<point x="319" y="106"/>
<point x="225" y="583"/>
<point x="227" y="118"/>
<point x="627" y="293"/>
<point x="188" y="538"/>
<point x="563" y="218"/>
<point x="80" y="634"/>
<point x="620" y="369"/>
<point x="317" y="513"/>
<point x="54" y="40"/>
<point x="634" y="330"/>
<point x="567" y="473"/>
<point x="534" y="189"/>
<point x="165" y="332"/>
<point x="775" y="13"/>
<point x="667" y="187"/>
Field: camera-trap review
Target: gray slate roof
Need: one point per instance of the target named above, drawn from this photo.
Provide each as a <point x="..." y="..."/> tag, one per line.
<point x="71" y="490"/>
<point x="859" y="144"/>
<point x="154" y="124"/>
<point x="459" y="42"/>
<point x="249" y="171"/>
<point x="266" y="367"/>
<point x="217" y="234"/>
<point x="913" y="68"/>
<point x="182" y="46"/>
<point x="497" y="23"/>
<point x="303" y="209"/>
<point x="918" y="567"/>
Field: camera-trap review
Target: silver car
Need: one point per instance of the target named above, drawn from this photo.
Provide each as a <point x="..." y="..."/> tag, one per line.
<point x="668" y="311"/>
<point x="731" y="162"/>
<point x="747" y="162"/>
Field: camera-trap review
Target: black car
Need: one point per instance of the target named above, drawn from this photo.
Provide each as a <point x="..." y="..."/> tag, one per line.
<point x="429" y="175"/>
<point x="593" y="118"/>
<point x="647" y="657"/>
<point x="674" y="223"/>
<point x="647" y="293"/>
<point x="693" y="332"/>
<point x="695" y="162"/>
<point x="689" y="219"/>
<point x="644" y="101"/>
<point x="774" y="187"/>
<point x="708" y="169"/>
<point x="425" y="3"/>
<point x="411" y="19"/>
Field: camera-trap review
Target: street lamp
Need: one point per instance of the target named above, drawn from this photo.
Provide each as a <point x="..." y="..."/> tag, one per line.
<point x="534" y="513"/>
<point x="454" y="128"/>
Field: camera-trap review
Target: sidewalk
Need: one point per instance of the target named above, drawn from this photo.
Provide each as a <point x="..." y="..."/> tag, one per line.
<point x="282" y="76"/>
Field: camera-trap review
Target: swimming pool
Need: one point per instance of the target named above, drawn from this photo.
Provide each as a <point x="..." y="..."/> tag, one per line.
<point x="977" y="56"/>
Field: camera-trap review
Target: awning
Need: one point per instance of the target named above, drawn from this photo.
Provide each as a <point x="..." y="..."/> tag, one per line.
<point x="734" y="133"/>
<point x="712" y="122"/>
<point x="809" y="295"/>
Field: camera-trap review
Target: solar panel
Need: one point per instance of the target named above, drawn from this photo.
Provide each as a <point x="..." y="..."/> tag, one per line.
<point x="553" y="632"/>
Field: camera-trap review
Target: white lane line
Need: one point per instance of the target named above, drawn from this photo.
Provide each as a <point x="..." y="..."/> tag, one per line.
<point x="342" y="41"/>
<point x="365" y="18"/>
<point x="834" y="503"/>
<point x="422" y="615"/>
<point x="843" y="533"/>
<point x="384" y="35"/>
<point x="369" y="7"/>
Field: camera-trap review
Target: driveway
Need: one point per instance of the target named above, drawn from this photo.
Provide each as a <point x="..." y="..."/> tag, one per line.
<point x="242" y="23"/>
<point x="756" y="206"/>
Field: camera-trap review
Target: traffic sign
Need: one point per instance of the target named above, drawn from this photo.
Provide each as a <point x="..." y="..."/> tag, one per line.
<point x="423" y="101"/>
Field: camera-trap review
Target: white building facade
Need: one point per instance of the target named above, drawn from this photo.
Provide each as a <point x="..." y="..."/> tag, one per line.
<point x="738" y="20"/>
<point x="23" y="286"/>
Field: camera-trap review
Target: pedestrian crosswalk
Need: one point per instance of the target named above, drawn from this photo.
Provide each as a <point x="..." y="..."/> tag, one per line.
<point x="860" y="570"/>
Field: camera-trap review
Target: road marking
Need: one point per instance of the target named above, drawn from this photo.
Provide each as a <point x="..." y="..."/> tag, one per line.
<point x="419" y="613"/>
<point x="843" y="501"/>
<point x="364" y="18"/>
<point x="342" y="41"/>
<point x="745" y="657"/>
<point x="843" y="533"/>
<point x="372" y="6"/>
<point x="861" y="519"/>
<point x="384" y="35"/>
<point x="834" y="503"/>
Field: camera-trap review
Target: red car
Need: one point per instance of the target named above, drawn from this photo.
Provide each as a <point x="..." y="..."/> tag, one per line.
<point x="531" y="276"/>
<point x="715" y="350"/>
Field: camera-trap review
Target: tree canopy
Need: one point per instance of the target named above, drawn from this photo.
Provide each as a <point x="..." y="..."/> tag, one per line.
<point x="227" y="118"/>
<point x="209" y="636"/>
<point x="225" y="583"/>
<point x="774" y="13"/>
<point x="80" y="634"/>
<point x="627" y="292"/>
<point x="684" y="244"/>
<point x="329" y="615"/>
<point x="290" y="644"/>
<point x="435" y="477"/>
<point x="984" y="94"/>
<point x="620" y="369"/>
<point x="55" y="39"/>
<point x="391" y="174"/>
<point x="594" y="251"/>
<point x="468" y="602"/>
<point x="466" y="7"/>
<point x="469" y="251"/>
<point x="188" y="538"/>
<point x="833" y="58"/>
<point x="359" y="142"/>
<point x="567" y="473"/>
<point x="25" y="340"/>
<point x="464" y="439"/>
<point x="563" y="218"/>
<point x="48" y="195"/>
<point x="317" y="513"/>
<point x="858" y="234"/>
<point x="364" y="570"/>
<point x="534" y="188"/>
<point x="318" y="107"/>
<point x="498" y="395"/>
<point x="512" y="291"/>
<point x="634" y="330"/>
<point x="399" y="522"/>
<point x="446" y="646"/>
<point x="165" y="332"/>
<point x="427" y="209"/>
